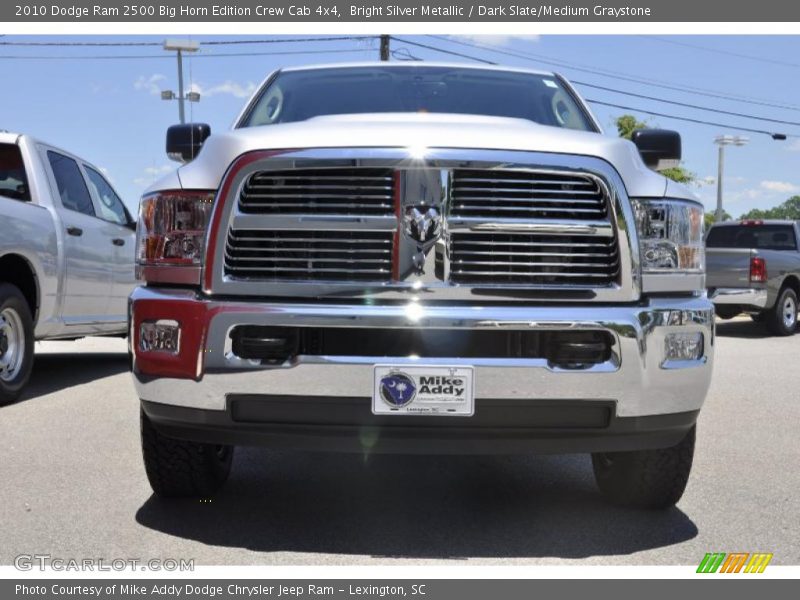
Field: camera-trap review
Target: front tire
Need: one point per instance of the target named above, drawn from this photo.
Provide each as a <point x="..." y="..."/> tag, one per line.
<point x="654" y="479"/>
<point x="182" y="469"/>
<point x="16" y="343"/>
<point x="782" y="319"/>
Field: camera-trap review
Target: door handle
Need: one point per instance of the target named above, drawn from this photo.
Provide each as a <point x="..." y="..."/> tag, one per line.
<point x="118" y="242"/>
<point x="76" y="231"/>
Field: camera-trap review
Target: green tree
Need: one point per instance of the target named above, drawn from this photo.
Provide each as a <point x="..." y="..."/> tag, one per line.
<point x="709" y="217"/>
<point x="790" y="209"/>
<point x="627" y="124"/>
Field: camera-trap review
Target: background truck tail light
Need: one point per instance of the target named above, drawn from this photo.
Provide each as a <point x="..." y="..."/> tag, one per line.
<point x="758" y="270"/>
<point x="170" y="241"/>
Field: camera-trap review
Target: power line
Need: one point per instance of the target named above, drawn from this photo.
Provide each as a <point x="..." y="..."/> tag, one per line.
<point x="624" y="77"/>
<point x="450" y="52"/>
<point x="763" y="59"/>
<point x="689" y="119"/>
<point x="649" y="112"/>
<point x="685" y="104"/>
<point x="166" y="56"/>
<point x="202" y="43"/>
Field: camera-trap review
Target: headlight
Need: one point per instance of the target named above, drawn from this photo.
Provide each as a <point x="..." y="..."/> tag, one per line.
<point x="170" y="235"/>
<point x="670" y="236"/>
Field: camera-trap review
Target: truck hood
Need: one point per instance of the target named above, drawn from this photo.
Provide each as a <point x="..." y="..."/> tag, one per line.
<point x="414" y="130"/>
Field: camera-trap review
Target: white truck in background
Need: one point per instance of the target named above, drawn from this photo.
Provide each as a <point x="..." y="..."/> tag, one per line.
<point x="66" y="254"/>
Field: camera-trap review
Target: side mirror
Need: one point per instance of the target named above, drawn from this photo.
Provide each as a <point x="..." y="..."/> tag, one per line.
<point x="660" y="148"/>
<point x="184" y="141"/>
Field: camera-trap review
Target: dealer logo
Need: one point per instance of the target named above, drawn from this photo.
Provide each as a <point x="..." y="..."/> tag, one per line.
<point x="397" y="389"/>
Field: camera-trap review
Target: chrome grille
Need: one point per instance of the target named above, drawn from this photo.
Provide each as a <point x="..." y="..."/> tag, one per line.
<point x="335" y="191"/>
<point x="493" y="194"/>
<point x="309" y="255"/>
<point x="344" y="223"/>
<point x="514" y="258"/>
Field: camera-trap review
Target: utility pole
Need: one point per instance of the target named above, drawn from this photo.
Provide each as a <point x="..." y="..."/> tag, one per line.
<point x="181" y="110"/>
<point x="385" y="52"/>
<point x="180" y="46"/>
<point x="722" y="141"/>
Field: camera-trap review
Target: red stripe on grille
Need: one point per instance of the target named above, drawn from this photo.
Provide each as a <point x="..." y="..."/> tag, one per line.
<point x="396" y="241"/>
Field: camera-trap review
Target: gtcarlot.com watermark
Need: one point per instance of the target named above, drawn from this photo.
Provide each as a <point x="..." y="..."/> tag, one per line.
<point x="45" y="562"/>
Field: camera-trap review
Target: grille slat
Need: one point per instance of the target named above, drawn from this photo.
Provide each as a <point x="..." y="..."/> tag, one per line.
<point x="538" y="191"/>
<point x="285" y="255"/>
<point x="545" y="254"/>
<point x="518" y="211"/>
<point x="283" y="186"/>
<point x="510" y="180"/>
<point x="336" y="191"/>
<point x="511" y="199"/>
<point x="301" y="197"/>
<point x="526" y="194"/>
<point x="316" y="205"/>
<point x="515" y="264"/>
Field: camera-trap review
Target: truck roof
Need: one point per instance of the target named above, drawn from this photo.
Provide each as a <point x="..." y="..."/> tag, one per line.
<point x="755" y="222"/>
<point x="418" y="65"/>
<point x="8" y="137"/>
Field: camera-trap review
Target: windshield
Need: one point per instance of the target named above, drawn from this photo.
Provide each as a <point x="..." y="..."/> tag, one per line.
<point x="300" y="95"/>
<point x="762" y="237"/>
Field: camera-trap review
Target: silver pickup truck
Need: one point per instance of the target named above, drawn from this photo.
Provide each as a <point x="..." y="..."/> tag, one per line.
<point x="66" y="254"/>
<point x="754" y="267"/>
<point x="425" y="259"/>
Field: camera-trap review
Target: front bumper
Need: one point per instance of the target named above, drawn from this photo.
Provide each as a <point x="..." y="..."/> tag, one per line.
<point x="206" y="379"/>
<point x="740" y="296"/>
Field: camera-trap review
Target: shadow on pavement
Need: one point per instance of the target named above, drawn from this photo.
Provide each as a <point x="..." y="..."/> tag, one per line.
<point x="742" y="329"/>
<point x="415" y="507"/>
<point x="53" y="372"/>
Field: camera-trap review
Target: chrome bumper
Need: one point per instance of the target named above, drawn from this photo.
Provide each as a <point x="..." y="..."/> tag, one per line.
<point x="743" y="296"/>
<point x="636" y="377"/>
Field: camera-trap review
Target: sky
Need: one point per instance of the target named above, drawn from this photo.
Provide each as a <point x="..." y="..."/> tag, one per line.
<point x="107" y="109"/>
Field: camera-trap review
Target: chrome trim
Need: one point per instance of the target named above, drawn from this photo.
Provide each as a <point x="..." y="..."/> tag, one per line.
<point x="531" y="226"/>
<point x="744" y="296"/>
<point x="635" y="377"/>
<point x="670" y="283"/>
<point x="426" y="284"/>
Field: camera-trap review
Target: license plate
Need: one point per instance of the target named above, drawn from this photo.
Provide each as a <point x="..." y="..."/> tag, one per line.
<point x="420" y="390"/>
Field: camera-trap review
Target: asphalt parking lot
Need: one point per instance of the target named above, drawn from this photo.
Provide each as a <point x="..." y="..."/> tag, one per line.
<point x="73" y="484"/>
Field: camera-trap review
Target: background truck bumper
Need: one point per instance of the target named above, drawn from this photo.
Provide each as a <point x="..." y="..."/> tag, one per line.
<point x="740" y="296"/>
<point x="634" y="399"/>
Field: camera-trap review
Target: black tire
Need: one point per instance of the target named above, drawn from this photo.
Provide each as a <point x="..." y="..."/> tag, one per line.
<point x="652" y="479"/>
<point x="16" y="331"/>
<point x="181" y="469"/>
<point x="778" y="321"/>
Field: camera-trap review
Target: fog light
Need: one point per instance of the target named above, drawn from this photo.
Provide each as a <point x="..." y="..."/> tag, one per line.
<point x="683" y="346"/>
<point x="160" y="336"/>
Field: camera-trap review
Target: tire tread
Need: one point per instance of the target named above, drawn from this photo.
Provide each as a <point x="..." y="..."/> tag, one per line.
<point x="178" y="468"/>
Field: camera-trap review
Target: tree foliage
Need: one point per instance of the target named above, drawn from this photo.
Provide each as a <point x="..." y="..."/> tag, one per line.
<point x="627" y="124"/>
<point x="710" y="217"/>
<point x="788" y="210"/>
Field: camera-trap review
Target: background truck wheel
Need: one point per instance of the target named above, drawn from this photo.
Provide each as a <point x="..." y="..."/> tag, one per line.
<point x="646" y="478"/>
<point x="727" y="312"/>
<point x="180" y="469"/>
<point x="16" y="343"/>
<point x="782" y="319"/>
